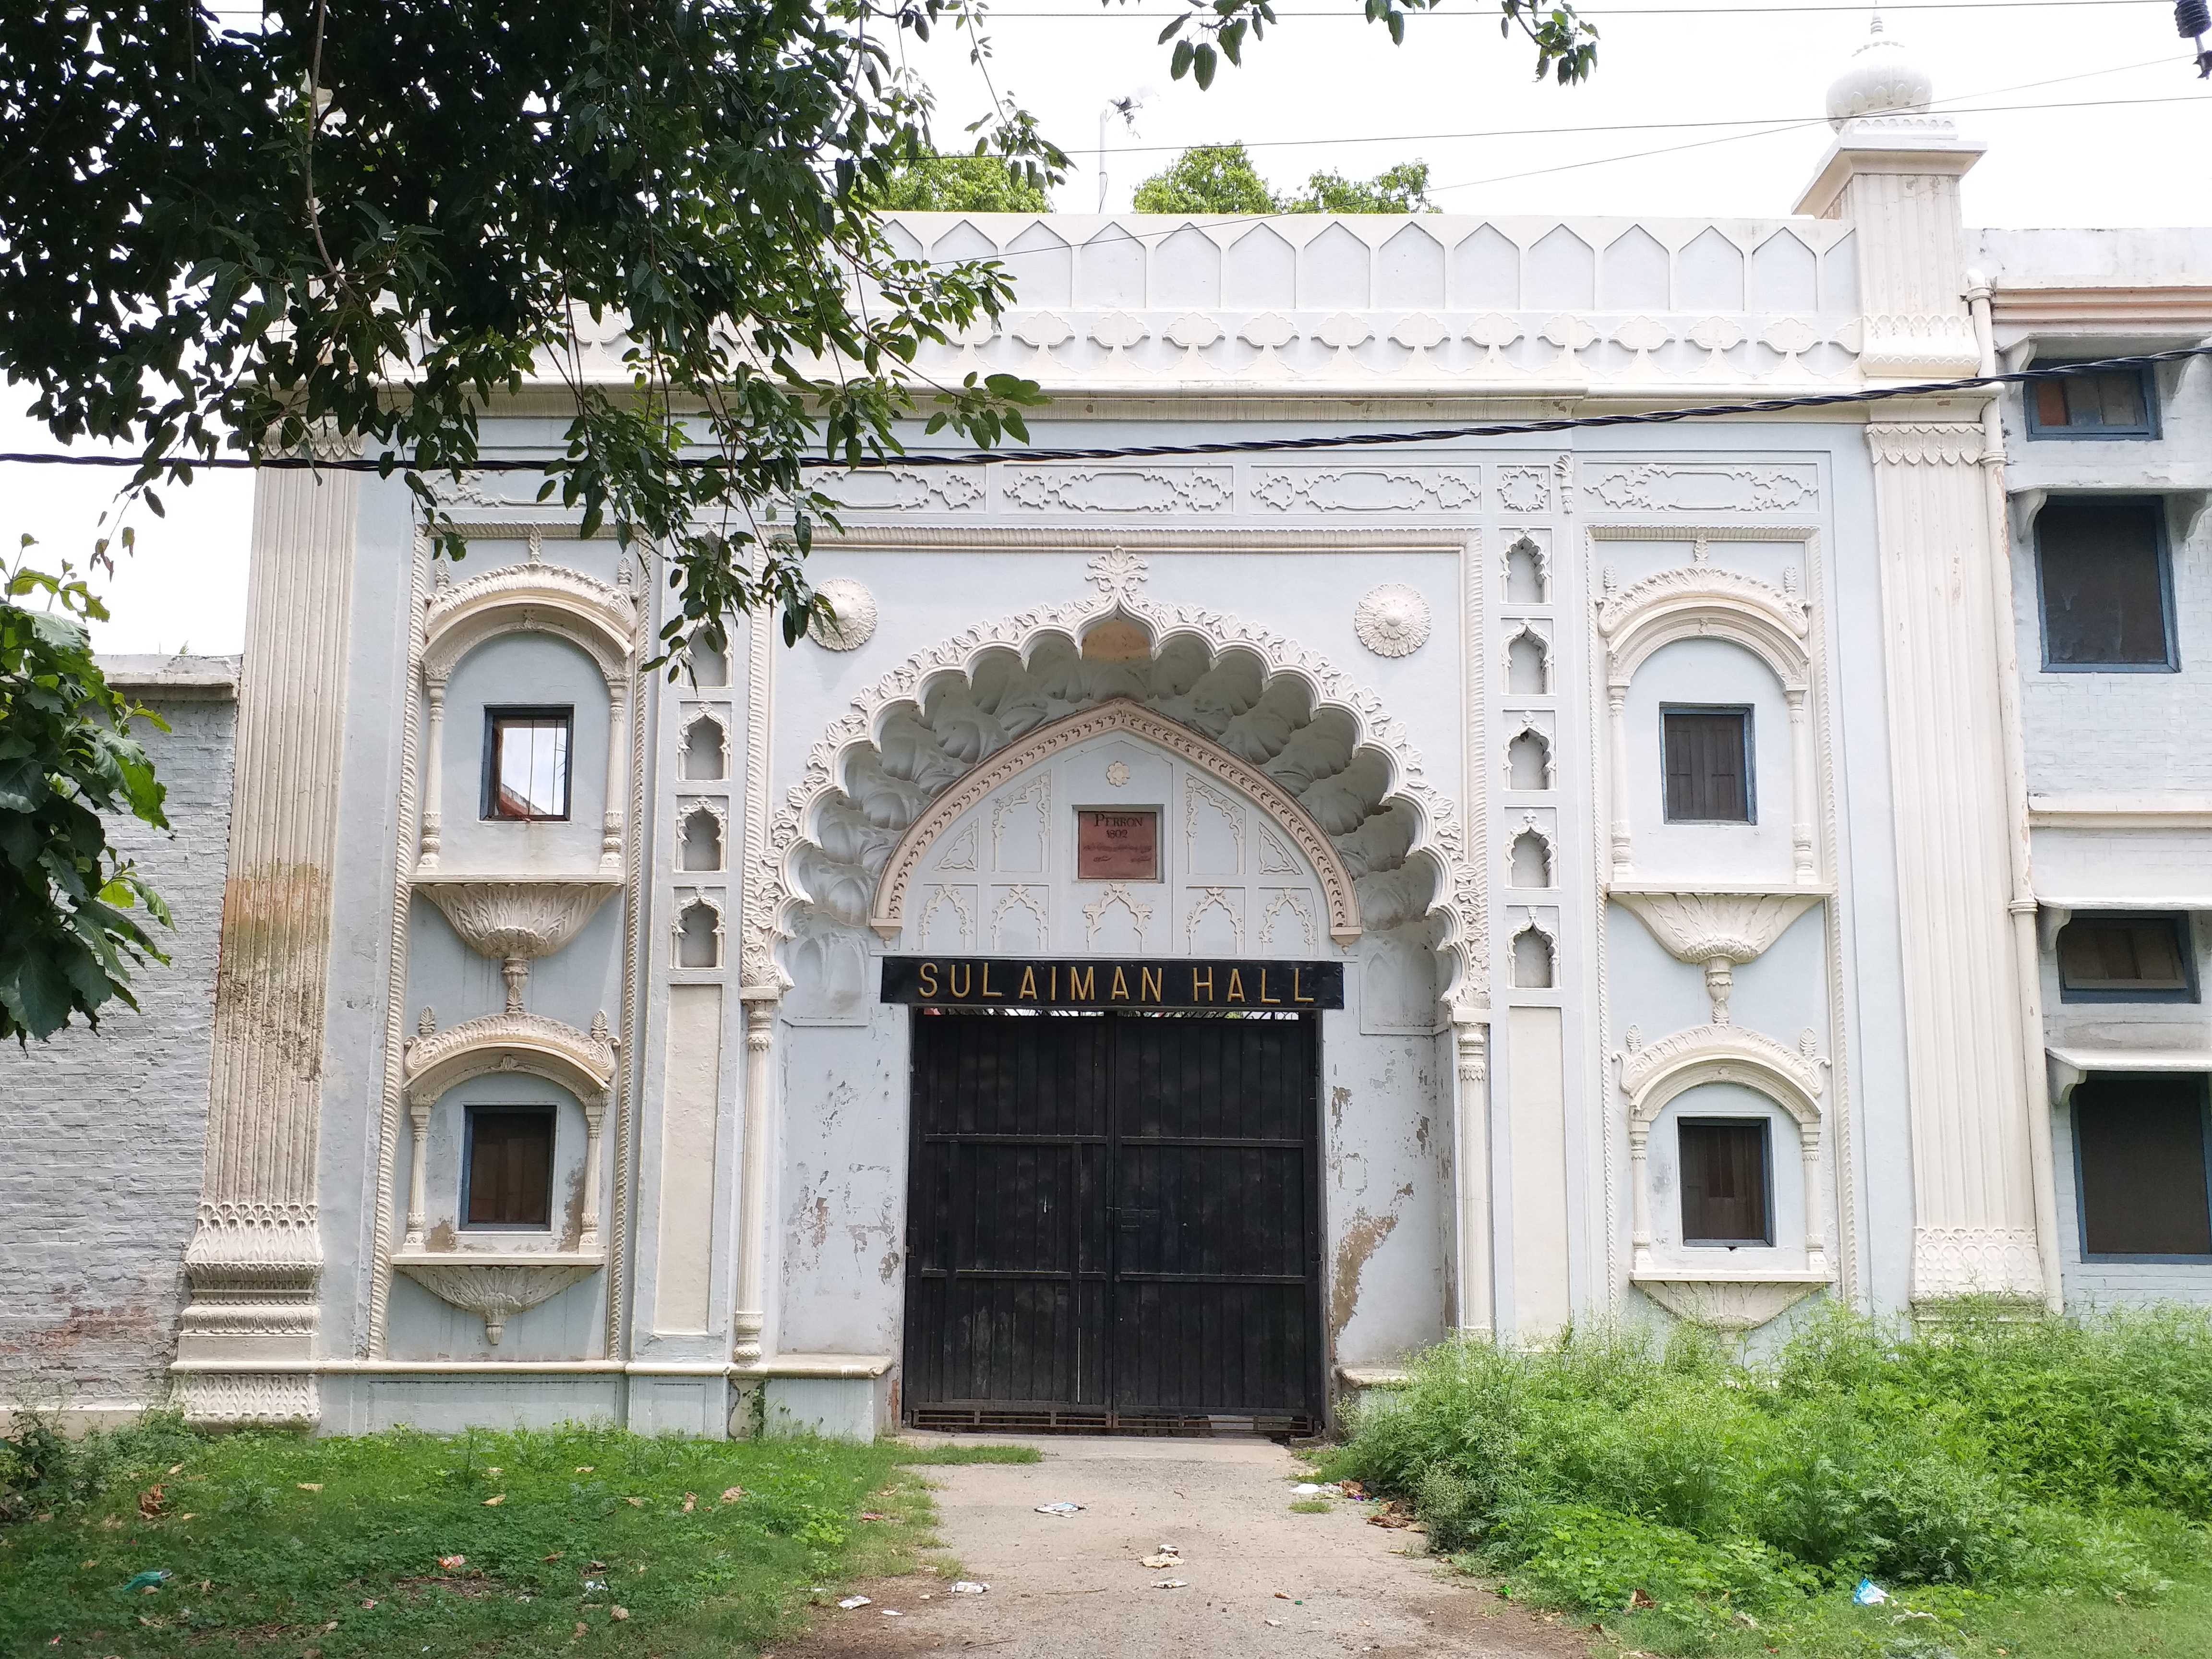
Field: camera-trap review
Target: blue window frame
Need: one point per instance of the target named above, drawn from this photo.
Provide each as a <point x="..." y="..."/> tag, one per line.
<point x="2106" y="585"/>
<point x="2127" y="956"/>
<point x="2143" y="1166"/>
<point x="2109" y="403"/>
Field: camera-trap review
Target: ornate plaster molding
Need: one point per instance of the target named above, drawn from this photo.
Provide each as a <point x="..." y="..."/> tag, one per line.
<point x="856" y="616"/>
<point x="1127" y="716"/>
<point x="1653" y="1073"/>
<point x="1735" y="1304"/>
<point x="548" y="599"/>
<point x="1699" y="926"/>
<point x="1915" y="444"/>
<point x="237" y="1399"/>
<point x="1955" y="1261"/>
<point x="496" y="1284"/>
<point x="1392" y="619"/>
<point x="517" y="916"/>
<point x="775" y="890"/>
<point x="583" y="1063"/>
<point x="1700" y="599"/>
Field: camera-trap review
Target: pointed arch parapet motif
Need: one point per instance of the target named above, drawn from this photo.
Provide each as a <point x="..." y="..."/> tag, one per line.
<point x="1654" y="1073"/>
<point x="583" y="1063"/>
<point x="774" y="890"/>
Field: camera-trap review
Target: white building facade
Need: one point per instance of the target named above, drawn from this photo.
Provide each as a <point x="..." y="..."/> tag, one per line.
<point x="1648" y="864"/>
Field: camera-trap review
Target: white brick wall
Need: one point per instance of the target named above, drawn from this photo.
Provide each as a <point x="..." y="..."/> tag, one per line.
<point x="104" y="1130"/>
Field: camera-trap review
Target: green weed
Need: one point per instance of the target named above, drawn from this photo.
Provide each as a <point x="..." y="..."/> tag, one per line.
<point x="1994" y="1473"/>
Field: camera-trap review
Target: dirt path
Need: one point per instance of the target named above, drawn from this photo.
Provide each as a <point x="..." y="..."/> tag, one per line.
<point x="1261" y="1580"/>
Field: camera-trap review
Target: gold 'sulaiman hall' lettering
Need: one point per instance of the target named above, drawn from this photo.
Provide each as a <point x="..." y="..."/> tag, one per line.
<point x="1082" y="984"/>
<point x="988" y="991"/>
<point x="1121" y="991"/>
<point x="961" y="976"/>
<point x="1296" y="995"/>
<point x="1197" y="980"/>
<point x="1028" y="993"/>
<point x="1148" y="984"/>
<point x="929" y="979"/>
<point x="1236" y="991"/>
<point x="1275" y="1002"/>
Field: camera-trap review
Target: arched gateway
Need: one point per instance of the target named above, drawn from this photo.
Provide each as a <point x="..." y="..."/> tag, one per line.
<point x="1124" y="903"/>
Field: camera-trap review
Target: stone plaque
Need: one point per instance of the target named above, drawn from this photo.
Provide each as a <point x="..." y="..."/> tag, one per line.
<point x="1116" y="845"/>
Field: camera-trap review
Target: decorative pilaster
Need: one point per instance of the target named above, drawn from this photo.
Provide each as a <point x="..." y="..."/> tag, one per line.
<point x="256" y="1258"/>
<point x="750" y="1321"/>
<point x="433" y="773"/>
<point x="1471" y="1167"/>
<point x="611" y="840"/>
<point x="1973" y="1199"/>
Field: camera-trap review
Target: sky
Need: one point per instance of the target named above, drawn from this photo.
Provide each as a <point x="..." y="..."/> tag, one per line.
<point x="1326" y="89"/>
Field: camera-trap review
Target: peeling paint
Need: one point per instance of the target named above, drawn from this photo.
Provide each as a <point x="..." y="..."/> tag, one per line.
<point x="443" y="1238"/>
<point x="1363" y="1237"/>
<point x="887" y="1269"/>
<point x="1421" y="1131"/>
<point x="572" y="1211"/>
<point x="1339" y="1099"/>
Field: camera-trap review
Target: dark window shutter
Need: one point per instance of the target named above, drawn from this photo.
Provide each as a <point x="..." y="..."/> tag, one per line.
<point x="2143" y="1184"/>
<point x="2104" y="592"/>
<point x="1706" y="753"/>
<point x="510" y="1166"/>
<point x="1724" y="1182"/>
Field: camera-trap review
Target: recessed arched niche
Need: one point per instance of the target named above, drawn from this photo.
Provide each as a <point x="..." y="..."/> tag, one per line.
<point x="1527" y="664"/>
<point x="699" y="840"/>
<point x="1534" y="959"/>
<point x="704" y="756"/>
<point x="1529" y="860"/>
<point x="698" y="934"/>
<point x="1712" y="766"/>
<point x="1525" y="577"/>
<point x="1529" y="761"/>
<point x="709" y="664"/>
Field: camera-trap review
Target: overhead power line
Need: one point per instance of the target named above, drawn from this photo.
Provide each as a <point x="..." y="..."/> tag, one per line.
<point x="387" y="464"/>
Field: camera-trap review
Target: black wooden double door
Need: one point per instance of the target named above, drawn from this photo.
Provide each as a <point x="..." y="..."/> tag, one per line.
<point x="1113" y="1220"/>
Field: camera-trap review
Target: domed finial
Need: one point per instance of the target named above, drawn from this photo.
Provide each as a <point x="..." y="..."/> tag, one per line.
<point x="1882" y="80"/>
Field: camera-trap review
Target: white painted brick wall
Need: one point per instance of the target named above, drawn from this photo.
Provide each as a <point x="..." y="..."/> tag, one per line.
<point x="105" y="1130"/>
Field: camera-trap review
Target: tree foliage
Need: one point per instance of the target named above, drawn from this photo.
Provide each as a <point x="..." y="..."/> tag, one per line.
<point x="1221" y="179"/>
<point x="310" y="230"/>
<point x="960" y="183"/>
<point x="68" y="940"/>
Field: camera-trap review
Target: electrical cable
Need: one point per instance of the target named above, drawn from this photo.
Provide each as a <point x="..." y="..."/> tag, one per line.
<point x="387" y="464"/>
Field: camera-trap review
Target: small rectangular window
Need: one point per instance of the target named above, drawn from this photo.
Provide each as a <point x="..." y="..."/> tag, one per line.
<point x="2102" y="568"/>
<point x="2108" y="403"/>
<point x="2126" y="958"/>
<point x="526" y="764"/>
<point x="1724" y="1182"/>
<point x="508" y="1171"/>
<point x="2139" y="1147"/>
<point x="1708" y="754"/>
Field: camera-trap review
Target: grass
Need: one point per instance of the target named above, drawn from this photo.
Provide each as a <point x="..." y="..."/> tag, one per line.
<point x="1311" y="1506"/>
<point x="2018" y="1485"/>
<point x="588" y="1539"/>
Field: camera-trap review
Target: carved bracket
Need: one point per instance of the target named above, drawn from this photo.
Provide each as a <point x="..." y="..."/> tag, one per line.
<point x="1735" y="1304"/>
<point x="496" y="1284"/>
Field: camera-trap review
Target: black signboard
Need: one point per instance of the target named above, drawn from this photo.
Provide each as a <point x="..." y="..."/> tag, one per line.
<point x="1091" y="982"/>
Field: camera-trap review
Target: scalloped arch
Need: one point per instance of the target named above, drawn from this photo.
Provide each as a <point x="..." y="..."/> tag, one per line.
<point x="545" y="598"/>
<point x="1121" y="625"/>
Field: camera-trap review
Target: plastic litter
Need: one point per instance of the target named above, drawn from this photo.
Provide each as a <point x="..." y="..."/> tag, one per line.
<point x="891" y="1612"/>
<point x="1307" y="1489"/>
<point x="151" y="1580"/>
<point x="1869" y="1593"/>
<point x="1061" y="1508"/>
<point x="970" y="1586"/>
<point x="851" y="1602"/>
<point x="1170" y="1583"/>
<point x="1166" y="1558"/>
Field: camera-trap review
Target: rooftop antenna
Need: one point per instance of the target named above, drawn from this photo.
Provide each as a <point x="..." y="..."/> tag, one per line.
<point x="1127" y="107"/>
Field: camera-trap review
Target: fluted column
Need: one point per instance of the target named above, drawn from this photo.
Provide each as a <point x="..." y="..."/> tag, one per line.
<point x="433" y="769"/>
<point x="610" y="839"/>
<point x="1973" y="1199"/>
<point x="1471" y="1169"/>
<point x="418" y="1198"/>
<point x="1804" y="856"/>
<point x="256" y="1256"/>
<point x="1616" y="704"/>
<point x="750" y="1321"/>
